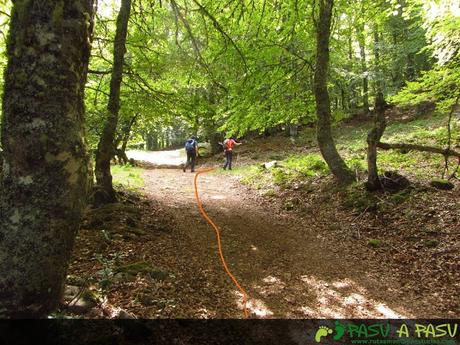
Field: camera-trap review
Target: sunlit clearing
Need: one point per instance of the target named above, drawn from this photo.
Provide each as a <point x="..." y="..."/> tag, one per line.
<point x="272" y="286"/>
<point x="343" y="299"/>
<point x="341" y="284"/>
<point x="218" y="197"/>
<point x="171" y="158"/>
<point x="388" y="312"/>
<point x="271" y="280"/>
<point x="255" y="306"/>
<point x="203" y="313"/>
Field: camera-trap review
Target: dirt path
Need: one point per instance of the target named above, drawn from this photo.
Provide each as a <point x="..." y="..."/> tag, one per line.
<point x="169" y="158"/>
<point x="285" y="265"/>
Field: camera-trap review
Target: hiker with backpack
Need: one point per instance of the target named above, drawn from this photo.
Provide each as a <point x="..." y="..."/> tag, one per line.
<point x="228" y="145"/>
<point x="191" y="149"/>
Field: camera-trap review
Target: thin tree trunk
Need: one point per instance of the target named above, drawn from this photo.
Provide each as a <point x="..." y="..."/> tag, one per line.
<point x="373" y="138"/>
<point x="106" y="149"/>
<point x="126" y="136"/>
<point x="45" y="170"/>
<point x="352" y="93"/>
<point x="378" y="70"/>
<point x="161" y="140"/>
<point x="410" y="69"/>
<point x="343" y="99"/>
<point x="213" y="136"/>
<point x="151" y="141"/>
<point x="396" y="74"/>
<point x="123" y="139"/>
<point x="323" y="106"/>
<point x="364" y="70"/>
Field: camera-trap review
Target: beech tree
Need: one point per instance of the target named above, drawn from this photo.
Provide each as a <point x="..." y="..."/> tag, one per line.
<point x="106" y="148"/>
<point x="323" y="104"/>
<point x="45" y="165"/>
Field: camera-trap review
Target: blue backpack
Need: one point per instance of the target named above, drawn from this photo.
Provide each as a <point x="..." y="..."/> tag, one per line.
<point x="190" y="145"/>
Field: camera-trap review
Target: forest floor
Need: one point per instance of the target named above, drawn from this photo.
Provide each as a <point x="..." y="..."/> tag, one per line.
<point x="306" y="249"/>
<point x="159" y="258"/>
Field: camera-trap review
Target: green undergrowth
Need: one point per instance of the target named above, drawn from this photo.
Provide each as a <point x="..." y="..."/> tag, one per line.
<point x="127" y="176"/>
<point x="356" y="198"/>
<point x="432" y="130"/>
<point x="351" y="142"/>
<point x="295" y="167"/>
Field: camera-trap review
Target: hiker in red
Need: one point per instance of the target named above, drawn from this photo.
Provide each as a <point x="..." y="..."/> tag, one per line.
<point x="228" y="145"/>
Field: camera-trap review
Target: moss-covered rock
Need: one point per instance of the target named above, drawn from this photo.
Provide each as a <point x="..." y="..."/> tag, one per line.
<point x="136" y="231"/>
<point x="136" y="267"/>
<point x="431" y="243"/>
<point x="442" y="184"/>
<point x="392" y="181"/>
<point x="375" y="243"/>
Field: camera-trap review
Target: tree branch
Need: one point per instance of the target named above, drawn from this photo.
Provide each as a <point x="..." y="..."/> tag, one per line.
<point x="222" y="32"/>
<point x="91" y="71"/>
<point x="421" y="148"/>
<point x="449" y="136"/>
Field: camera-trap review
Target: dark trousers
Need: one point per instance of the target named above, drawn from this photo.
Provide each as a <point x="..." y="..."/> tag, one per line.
<point x="228" y="160"/>
<point x="191" y="159"/>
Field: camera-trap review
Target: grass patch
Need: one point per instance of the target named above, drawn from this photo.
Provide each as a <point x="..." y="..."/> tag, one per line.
<point x="356" y="198"/>
<point x="127" y="176"/>
<point x="251" y="175"/>
<point x="357" y="163"/>
<point x="400" y="197"/>
<point x="395" y="160"/>
<point x="255" y="177"/>
<point x="375" y="243"/>
<point x="307" y="165"/>
<point x="289" y="170"/>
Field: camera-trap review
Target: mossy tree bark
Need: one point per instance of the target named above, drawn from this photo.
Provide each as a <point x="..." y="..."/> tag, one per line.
<point x="45" y="169"/>
<point x="106" y="150"/>
<point x="323" y="104"/>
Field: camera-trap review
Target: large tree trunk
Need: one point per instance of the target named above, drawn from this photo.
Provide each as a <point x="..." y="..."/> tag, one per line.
<point x="323" y="107"/>
<point x="45" y="168"/>
<point x="106" y="149"/>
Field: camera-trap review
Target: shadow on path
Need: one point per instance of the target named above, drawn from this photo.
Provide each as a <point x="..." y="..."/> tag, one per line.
<point x="286" y="268"/>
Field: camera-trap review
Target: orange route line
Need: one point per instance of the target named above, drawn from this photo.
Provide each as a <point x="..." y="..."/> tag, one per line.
<point x="217" y="230"/>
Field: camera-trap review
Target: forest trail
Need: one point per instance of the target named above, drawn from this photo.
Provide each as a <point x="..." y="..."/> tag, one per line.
<point x="286" y="267"/>
<point x="169" y="158"/>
